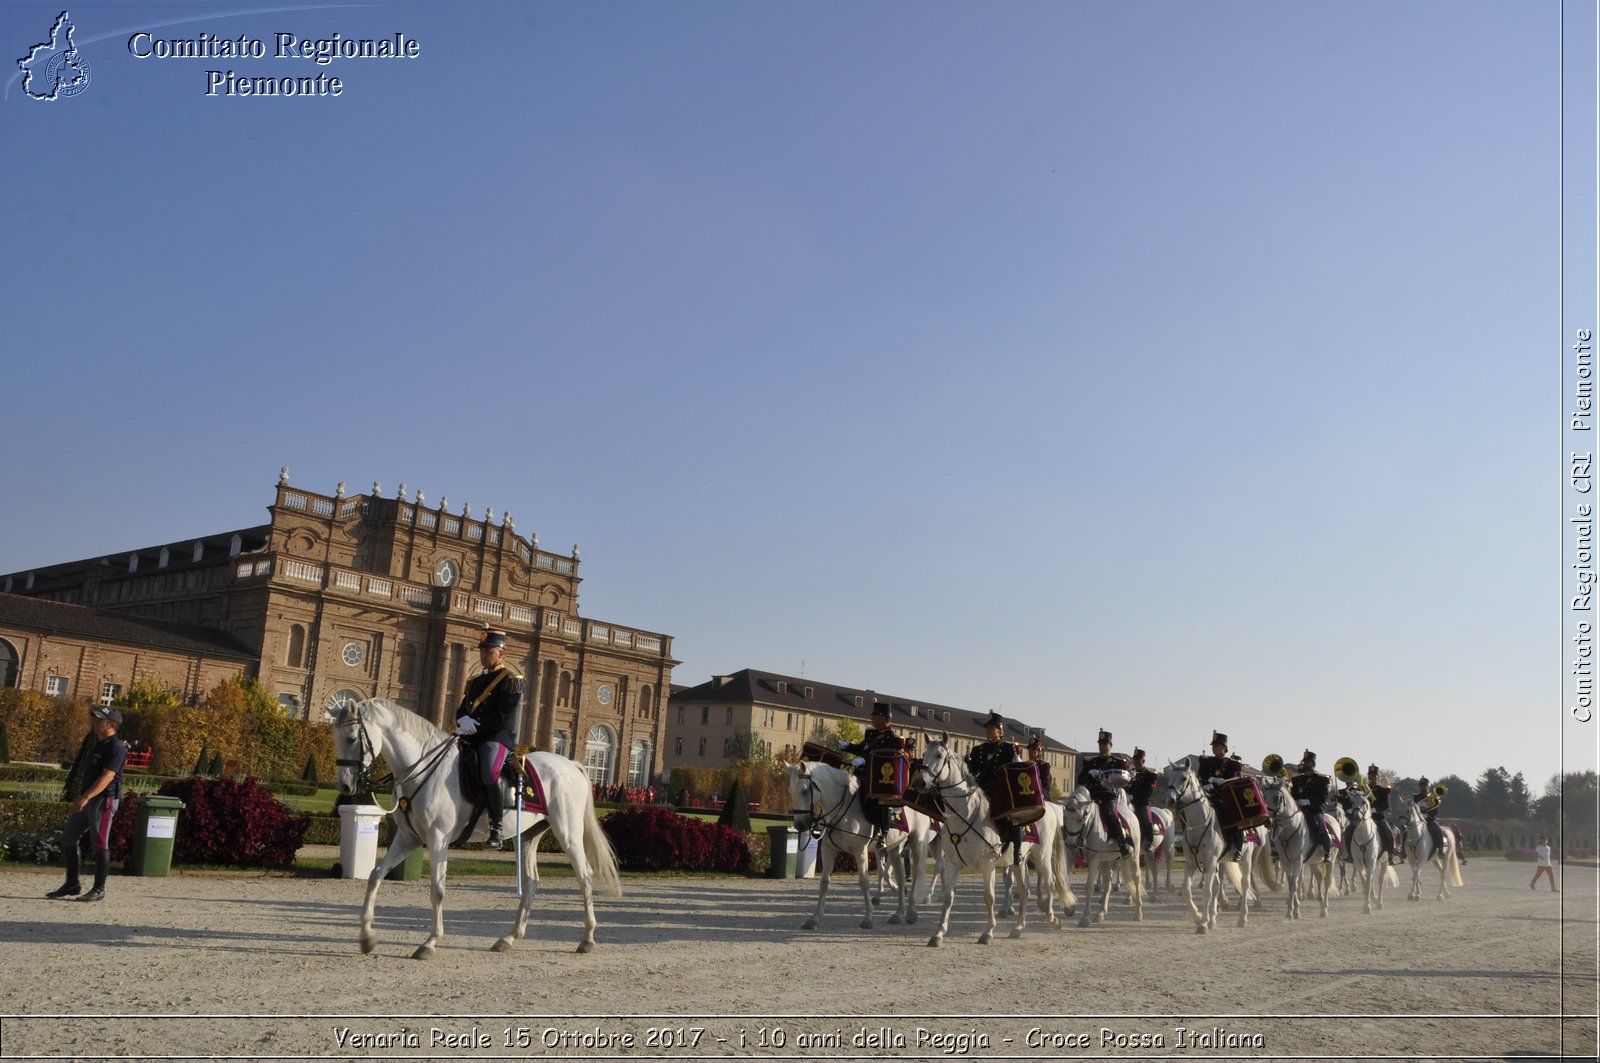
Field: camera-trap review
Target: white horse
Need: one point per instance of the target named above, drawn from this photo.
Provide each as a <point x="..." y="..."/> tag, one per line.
<point x="1293" y="833"/>
<point x="828" y="800"/>
<point x="1361" y="854"/>
<point x="1419" y="850"/>
<point x="1195" y="821"/>
<point x="1083" y="832"/>
<point x="1161" y="846"/>
<point x="969" y="838"/>
<point x="1041" y="857"/>
<point x="430" y="810"/>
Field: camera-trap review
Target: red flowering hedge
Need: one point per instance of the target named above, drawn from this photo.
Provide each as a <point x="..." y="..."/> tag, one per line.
<point x="652" y="838"/>
<point x="225" y="821"/>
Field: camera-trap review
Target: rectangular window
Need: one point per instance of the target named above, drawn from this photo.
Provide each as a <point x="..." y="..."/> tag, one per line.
<point x="767" y="716"/>
<point x="289" y="703"/>
<point x="808" y="693"/>
<point x="705" y="714"/>
<point x="858" y="701"/>
<point x="702" y="747"/>
<point x="110" y="692"/>
<point x="791" y="721"/>
<point x="680" y="713"/>
<point x="56" y="686"/>
<point x="677" y="747"/>
<point x="727" y="747"/>
<point x="729" y="719"/>
<point x="561" y="743"/>
<point x="783" y="688"/>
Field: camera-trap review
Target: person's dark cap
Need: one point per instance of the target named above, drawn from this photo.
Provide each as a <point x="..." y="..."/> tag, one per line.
<point x="1138" y="754"/>
<point x="1372" y="769"/>
<point x="994" y="719"/>
<point x="107" y="713"/>
<point x="1036" y="742"/>
<point x="1218" y="738"/>
<point x="882" y="708"/>
<point x="1308" y="757"/>
<point x="1105" y="736"/>
<point x="493" y="640"/>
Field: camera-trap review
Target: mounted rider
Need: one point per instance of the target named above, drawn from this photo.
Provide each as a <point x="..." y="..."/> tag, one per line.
<point x="486" y="723"/>
<point x="1429" y="802"/>
<point x="880" y="735"/>
<point x="985" y="761"/>
<point x="1036" y="758"/>
<point x="1348" y="771"/>
<point x="1309" y="788"/>
<point x="1215" y="770"/>
<point x="1140" y="791"/>
<point x="1104" y="796"/>
<point x="1380" y="813"/>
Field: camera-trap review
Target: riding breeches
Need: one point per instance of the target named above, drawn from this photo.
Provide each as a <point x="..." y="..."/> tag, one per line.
<point x="1385" y="835"/>
<point x="94" y="820"/>
<point x="491" y="758"/>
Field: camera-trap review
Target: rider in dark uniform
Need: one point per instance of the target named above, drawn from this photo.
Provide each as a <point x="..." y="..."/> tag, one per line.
<point x="1213" y="771"/>
<point x="1104" y="796"/>
<point x="1431" y="801"/>
<point x="1140" y="791"/>
<point x="878" y="736"/>
<point x="985" y="761"/>
<point x="1309" y="788"/>
<point x="486" y="723"/>
<point x="1036" y="758"/>
<point x="1380" y="813"/>
<point x="94" y="809"/>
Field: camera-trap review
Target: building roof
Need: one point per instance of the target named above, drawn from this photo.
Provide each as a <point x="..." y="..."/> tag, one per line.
<point x="47" y="617"/>
<point x="790" y="692"/>
<point x="216" y="550"/>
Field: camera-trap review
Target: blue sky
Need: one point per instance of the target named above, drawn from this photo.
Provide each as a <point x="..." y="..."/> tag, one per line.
<point x="1154" y="366"/>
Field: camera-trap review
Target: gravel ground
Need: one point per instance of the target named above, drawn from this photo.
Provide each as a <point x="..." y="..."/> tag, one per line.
<point x="258" y="967"/>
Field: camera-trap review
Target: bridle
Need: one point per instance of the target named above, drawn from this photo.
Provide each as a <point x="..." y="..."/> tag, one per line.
<point x="818" y="821"/>
<point x="1177" y="803"/>
<point x="421" y="771"/>
<point x="928" y="782"/>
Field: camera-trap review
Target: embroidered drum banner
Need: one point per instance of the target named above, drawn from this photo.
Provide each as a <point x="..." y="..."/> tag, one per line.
<point x="1019" y="798"/>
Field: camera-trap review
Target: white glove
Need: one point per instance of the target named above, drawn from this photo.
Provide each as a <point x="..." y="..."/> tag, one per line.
<point x="1303" y="803"/>
<point x="857" y="762"/>
<point x="466" y="726"/>
<point x="1094" y="773"/>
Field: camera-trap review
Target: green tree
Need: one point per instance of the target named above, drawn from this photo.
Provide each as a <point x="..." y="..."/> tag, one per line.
<point x="310" y="772"/>
<point x="1521" y="800"/>
<point x="736" y="810"/>
<point x="1493" y="794"/>
<point x="204" y="760"/>
<point x="1460" y="800"/>
<point x="847" y="731"/>
<point x="744" y="745"/>
<point x="5" y="744"/>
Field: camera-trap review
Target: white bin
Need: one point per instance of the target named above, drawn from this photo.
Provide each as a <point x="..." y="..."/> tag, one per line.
<point x="806" y="860"/>
<point x="358" y="839"/>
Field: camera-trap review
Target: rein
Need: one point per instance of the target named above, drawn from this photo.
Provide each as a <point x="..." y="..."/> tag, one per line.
<point x="820" y="823"/>
<point x="970" y="791"/>
<point x="426" y="764"/>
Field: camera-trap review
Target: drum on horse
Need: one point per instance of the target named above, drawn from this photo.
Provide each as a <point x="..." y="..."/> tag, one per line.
<point x="431" y="809"/>
<point x="1083" y="833"/>
<point x="1361" y="856"/>
<point x="1195" y="821"/>
<point x="1419" y="850"/>
<point x="1294" y="839"/>
<point x="971" y="839"/>
<point x="827" y="802"/>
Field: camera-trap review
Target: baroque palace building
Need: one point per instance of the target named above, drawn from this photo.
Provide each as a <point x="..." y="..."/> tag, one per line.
<point x="786" y="712"/>
<point x="341" y="598"/>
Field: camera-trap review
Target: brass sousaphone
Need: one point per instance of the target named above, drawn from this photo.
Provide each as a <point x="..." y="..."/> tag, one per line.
<point x="1273" y="767"/>
<point x="1348" y="771"/>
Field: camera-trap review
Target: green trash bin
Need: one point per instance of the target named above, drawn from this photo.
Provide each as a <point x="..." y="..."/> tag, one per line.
<point x="407" y="870"/>
<point x="155" y="828"/>
<point x="785" y="843"/>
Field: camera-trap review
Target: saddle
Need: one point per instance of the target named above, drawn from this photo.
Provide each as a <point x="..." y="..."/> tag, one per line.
<point x="524" y="784"/>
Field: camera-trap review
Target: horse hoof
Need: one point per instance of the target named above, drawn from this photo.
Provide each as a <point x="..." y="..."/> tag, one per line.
<point x="985" y="938"/>
<point x="585" y="947"/>
<point x="503" y="945"/>
<point x="935" y="942"/>
<point x="894" y="920"/>
<point x="809" y="924"/>
<point x="1016" y="933"/>
<point x="1055" y="924"/>
<point x="368" y="944"/>
<point x="865" y="924"/>
<point x="911" y="918"/>
<point x="424" y="952"/>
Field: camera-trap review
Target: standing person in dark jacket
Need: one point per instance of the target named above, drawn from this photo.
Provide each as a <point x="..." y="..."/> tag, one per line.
<point x="1140" y="791"/>
<point x="985" y="761"/>
<point x="486" y="723"/>
<point x="93" y="811"/>
<point x="878" y="736"/>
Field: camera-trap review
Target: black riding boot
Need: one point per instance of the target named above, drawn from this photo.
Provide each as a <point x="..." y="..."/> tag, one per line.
<point x="496" y="813"/>
<point x="1013" y="836"/>
<point x="1233" y="844"/>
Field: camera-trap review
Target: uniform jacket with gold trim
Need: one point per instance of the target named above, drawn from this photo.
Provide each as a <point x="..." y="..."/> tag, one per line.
<point x="497" y="715"/>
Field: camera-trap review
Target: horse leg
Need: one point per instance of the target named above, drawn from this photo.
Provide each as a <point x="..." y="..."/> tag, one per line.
<point x="439" y="855"/>
<point x="528" y="871"/>
<point x="862" y="859"/>
<point x="1187" y="889"/>
<point x="827" y="852"/>
<point x="949" y="870"/>
<point x="402" y="846"/>
<point x="1020" y="873"/>
<point x="1213" y="888"/>
<point x="916" y="870"/>
<point x="988" y="902"/>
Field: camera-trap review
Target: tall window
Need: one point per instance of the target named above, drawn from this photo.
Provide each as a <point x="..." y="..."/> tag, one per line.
<point x="638" y="762"/>
<point x="110" y="692"/>
<point x="729" y="717"/>
<point x="8" y="664"/>
<point x="702" y="748"/>
<point x="297" y="646"/>
<point x="677" y="747"/>
<point x="705" y="714"/>
<point x="647" y="703"/>
<point x="598" y="747"/>
<point x="561" y="743"/>
<point x="56" y="686"/>
<point x="565" y="696"/>
<point x="680" y="713"/>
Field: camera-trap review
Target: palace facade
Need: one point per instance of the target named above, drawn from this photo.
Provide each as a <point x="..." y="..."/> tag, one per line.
<point x="339" y="598"/>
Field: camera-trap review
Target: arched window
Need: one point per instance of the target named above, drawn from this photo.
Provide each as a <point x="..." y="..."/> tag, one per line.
<point x="647" y="703"/>
<point x="639" y="763"/>
<point x="234" y="546"/>
<point x="344" y="697"/>
<point x="8" y="664"/>
<point x="598" y="746"/>
<point x="565" y="696"/>
<point x="297" y="646"/>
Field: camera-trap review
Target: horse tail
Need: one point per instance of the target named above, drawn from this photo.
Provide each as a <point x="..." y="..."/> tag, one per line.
<point x="1266" y="872"/>
<point x="1453" y="869"/>
<point x="597" y="848"/>
<point x="1059" y="869"/>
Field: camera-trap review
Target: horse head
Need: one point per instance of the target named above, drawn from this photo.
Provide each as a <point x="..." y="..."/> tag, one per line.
<point x="936" y="760"/>
<point x="1077" y="800"/>
<point x="1359" y="805"/>
<point x="804" y="803"/>
<point x="1181" y="779"/>
<point x="352" y="749"/>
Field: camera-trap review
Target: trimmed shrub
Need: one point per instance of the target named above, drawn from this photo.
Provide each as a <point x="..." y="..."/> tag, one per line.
<point x="651" y="838"/>
<point x="215" y="767"/>
<point x="735" y="811"/>
<point x="225" y="821"/>
<point x="310" y="772"/>
<point x="202" y="762"/>
<point x="5" y="744"/>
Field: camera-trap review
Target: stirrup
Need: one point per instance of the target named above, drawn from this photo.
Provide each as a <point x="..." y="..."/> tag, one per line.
<point x="494" y="841"/>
